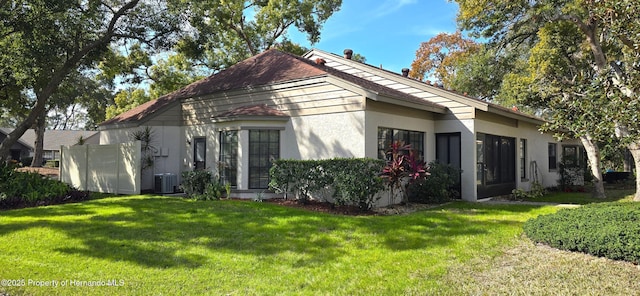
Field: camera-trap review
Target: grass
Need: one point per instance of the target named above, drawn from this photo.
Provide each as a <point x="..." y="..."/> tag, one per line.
<point x="161" y="245"/>
<point x="581" y="198"/>
<point x="166" y="246"/>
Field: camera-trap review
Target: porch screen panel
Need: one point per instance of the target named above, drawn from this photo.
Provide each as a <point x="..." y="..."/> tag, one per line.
<point x="498" y="159"/>
<point x="508" y="156"/>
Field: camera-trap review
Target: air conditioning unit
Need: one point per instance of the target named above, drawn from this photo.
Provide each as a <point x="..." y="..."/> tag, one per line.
<point x="165" y="183"/>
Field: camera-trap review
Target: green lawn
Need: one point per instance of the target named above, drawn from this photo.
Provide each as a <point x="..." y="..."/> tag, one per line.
<point x="161" y="245"/>
<point x="613" y="194"/>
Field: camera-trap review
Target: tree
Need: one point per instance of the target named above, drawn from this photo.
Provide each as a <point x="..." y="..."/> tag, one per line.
<point x="609" y="32"/>
<point x="47" y="41"/>
<point x="125" y="100"/>
<point x="560" y="80"/>
<point x="79" y="103"/>
<point x="226" y="32"/>
<point x="439" y="56"/>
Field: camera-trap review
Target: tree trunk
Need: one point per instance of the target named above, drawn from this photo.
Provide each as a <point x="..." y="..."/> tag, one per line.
<point x="593" y="154"/>
<point x="634" y="149"/>
<point x="627" y="159"/>
<point x="39" y="144"/>
<point x="14" y="136"/>
<point x="43" y="94"/>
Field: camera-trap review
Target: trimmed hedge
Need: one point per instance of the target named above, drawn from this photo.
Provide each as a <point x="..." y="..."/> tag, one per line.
<point x="343" y="181"/>
<point x="610" y="230"/>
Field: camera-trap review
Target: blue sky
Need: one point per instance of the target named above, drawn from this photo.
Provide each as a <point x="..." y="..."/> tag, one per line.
<point x="386" y="32"/>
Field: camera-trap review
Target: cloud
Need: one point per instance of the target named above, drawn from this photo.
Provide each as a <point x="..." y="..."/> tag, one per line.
<point x="430" y="31"/>
<point x="390" y="6"/>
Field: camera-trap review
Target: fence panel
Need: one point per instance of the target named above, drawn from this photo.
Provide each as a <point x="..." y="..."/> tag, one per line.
<point x="102" y="168"/>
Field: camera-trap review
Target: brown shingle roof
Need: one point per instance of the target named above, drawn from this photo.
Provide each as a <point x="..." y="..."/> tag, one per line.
<point x="271" y="66"/>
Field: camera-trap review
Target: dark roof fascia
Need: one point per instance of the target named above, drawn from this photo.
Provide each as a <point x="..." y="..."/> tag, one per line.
<point x="120" y="125"/>
<point x="106" y="125"/>
<point x="506" y="112"/>
<point x="250" y="118"/>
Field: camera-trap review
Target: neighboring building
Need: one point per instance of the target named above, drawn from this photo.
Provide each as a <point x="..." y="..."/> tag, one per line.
<point x="53" y="139"/>
<point x="277" y="105"/>
<point x="20" y="149"/>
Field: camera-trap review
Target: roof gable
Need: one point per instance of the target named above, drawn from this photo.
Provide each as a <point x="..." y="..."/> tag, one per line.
<point x="428" y="88"/>
<point x="269" y="67"/>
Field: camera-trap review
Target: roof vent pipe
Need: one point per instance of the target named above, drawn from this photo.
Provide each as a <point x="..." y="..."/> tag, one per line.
<point x="405" y="72"/>
<point x="320" y="61"/>
<point x="348" y="53"/>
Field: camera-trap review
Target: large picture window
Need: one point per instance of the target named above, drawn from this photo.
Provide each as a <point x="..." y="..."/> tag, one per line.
<point x="229" y="157"/>
<point x="264" y="147"/>
<point x="386" y="136"/>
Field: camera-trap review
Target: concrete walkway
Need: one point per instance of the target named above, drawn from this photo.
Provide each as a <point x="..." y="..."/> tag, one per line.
<point x="528" y="203"/>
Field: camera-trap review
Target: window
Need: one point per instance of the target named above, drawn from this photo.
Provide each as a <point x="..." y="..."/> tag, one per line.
<point x="553" y="156"/>
<point x="574" y="156"/>
<point x="523" y="159"/>
<point x="199" y="153"/>
<point x="229" y="157"/>
<point x="264" y="147"/>
<point x="386" y="136"/>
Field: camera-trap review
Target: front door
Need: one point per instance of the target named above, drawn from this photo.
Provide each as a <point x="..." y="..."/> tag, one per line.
<point x="199" y="153"/>
<point x="448" y="152"/>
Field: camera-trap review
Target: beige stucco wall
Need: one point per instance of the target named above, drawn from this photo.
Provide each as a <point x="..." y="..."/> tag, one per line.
<point x="324" y="136"/>
<point x="166" y="141"/>
<point x="537" y="150"/>
<point x="466" y="129"/>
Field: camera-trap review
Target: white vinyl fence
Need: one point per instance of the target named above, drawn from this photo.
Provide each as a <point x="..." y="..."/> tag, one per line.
<point x="102" y="168"/>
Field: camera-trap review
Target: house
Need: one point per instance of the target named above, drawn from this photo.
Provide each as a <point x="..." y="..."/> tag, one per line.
<point x="53" y="139"/>
<point x="278" y="105"/>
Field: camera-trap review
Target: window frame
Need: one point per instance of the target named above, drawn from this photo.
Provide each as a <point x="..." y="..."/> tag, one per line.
<point x="552" y="159"/>
<point x="228" y="163"/>
<point x="261" y="154"/>
<point x="386" y="136"/>
<point x="523" y="159"/>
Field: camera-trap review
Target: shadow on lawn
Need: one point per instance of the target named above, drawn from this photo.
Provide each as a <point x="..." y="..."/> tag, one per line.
<point x="171" y="232"/>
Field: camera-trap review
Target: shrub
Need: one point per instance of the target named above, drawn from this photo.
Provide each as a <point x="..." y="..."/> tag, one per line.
<point x="349" y="181"/>
<point x="200" y="185"/>
<point x="436" y="186"/>
<point x="610" y="230"/>
<point x="24" y="189"/>
<point x="357" y="183"/>
<point x="537" y="191"/>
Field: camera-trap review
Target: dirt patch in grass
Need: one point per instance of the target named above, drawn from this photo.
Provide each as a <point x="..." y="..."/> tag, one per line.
<point x="323" y="207"/>
<point x="535" y="269"/>
<point x="52" y="173"/>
